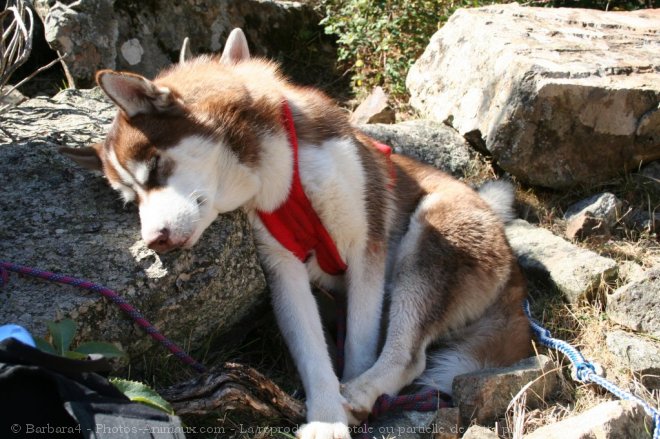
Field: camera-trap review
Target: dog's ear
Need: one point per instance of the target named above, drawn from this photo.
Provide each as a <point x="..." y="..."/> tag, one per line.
<point x="88" y="157"/>
<point x="236" y="48"/>
<point x="135" y="94"/>
<point x="185" y="53"/>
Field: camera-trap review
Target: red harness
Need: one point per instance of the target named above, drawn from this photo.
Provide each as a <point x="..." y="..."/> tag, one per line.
<point x="295" y="223"/>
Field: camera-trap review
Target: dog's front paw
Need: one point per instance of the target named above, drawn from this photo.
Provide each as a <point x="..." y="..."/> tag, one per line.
<point x="359" y="401"/>
<point x="324" y="430"/>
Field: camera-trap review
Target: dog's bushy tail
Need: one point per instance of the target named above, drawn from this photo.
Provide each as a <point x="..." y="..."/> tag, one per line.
<point x="499" y="195"/>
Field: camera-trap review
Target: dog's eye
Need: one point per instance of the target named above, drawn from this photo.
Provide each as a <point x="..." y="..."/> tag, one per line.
<point x="153" y="170"/>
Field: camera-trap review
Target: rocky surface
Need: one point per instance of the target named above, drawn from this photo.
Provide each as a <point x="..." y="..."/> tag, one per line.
<point x="609" y="420"/>
<point x="144" y="37"/>
<point x="484" y="396"/>
<point x="574" y="271"/>
<point x="559" y="97"/>
<point x="431" y="142"/>
<point x="636" y="305"/>
<point x="641" y="355"/>
<point x="58" y="217"/>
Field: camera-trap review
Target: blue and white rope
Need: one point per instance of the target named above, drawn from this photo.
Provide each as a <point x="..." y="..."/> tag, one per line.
<point x="585" y="371"/>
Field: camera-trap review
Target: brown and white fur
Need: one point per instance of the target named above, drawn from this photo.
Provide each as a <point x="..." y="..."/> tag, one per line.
<point x="206" y="137"/>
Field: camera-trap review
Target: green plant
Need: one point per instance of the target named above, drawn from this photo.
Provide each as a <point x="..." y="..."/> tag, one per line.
<point x="61" y="335"/>
<point x="139" y="392"/>
<point x="378" y="40"/>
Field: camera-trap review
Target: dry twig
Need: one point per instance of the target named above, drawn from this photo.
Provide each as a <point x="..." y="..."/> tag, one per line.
<point x="16" y="43"/>
<point x="16" y="25"/>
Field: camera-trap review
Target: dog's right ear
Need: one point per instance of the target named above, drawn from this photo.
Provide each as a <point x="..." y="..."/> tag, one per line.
<point x="236" y="48"/>
<point x="135" y="94"/>
<point x="88" y="157"/>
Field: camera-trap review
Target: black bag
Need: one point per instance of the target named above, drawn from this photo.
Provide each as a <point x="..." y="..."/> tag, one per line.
<point x="46" y="396"/>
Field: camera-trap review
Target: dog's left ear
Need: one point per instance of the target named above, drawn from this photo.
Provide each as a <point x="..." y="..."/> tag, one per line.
<point x="236" y="48"/>
<point x="88" y="157"/>
<point x="135" y="94"/>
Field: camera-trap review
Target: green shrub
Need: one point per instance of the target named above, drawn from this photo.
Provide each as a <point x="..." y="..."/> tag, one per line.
<point x="378" y="40"/>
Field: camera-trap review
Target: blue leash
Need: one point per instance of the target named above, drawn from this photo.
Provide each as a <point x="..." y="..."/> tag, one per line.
<point x="585" y="371"/>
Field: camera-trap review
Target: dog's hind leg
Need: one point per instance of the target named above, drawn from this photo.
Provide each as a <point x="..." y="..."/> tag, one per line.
<point x="499" y="338"/>
<point x="446" y="276"/>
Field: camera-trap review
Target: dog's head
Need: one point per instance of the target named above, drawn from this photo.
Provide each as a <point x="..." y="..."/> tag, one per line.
<point x="182" y="152"/>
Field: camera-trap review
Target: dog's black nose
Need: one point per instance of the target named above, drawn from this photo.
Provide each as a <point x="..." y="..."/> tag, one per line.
<point x="162" y="242"/>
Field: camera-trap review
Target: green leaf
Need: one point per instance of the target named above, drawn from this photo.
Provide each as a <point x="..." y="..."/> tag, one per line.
<point x="75" y="355"/>
<point x="108" y="350"/>
<point x="43" y="345"/>
<point x="139" y="392"/>
<point x="62" y="334"/>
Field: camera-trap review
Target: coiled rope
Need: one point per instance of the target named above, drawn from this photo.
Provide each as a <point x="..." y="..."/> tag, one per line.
<point x="585" y="371"/>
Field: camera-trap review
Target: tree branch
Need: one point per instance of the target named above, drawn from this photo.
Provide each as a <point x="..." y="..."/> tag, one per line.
<point x="233" y="386"/>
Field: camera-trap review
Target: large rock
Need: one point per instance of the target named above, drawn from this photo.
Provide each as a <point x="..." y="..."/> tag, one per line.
<point x="609" y="420"/>
<point x="559" y="97"/>
<point x="574" y="271"/>
<point x="145" y="36"/>
<point x="641" y="355"/>
<point x="430" y="142"/>
<point x="58" y="217"/>
<point x="636" y="305"/>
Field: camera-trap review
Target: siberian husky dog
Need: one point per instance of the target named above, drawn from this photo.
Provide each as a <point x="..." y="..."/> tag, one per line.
<point x="405" y="242"/>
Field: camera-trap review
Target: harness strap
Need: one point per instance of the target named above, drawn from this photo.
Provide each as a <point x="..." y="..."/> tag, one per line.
<point x="295" y="223"/>
<point x="386" y="150"/>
